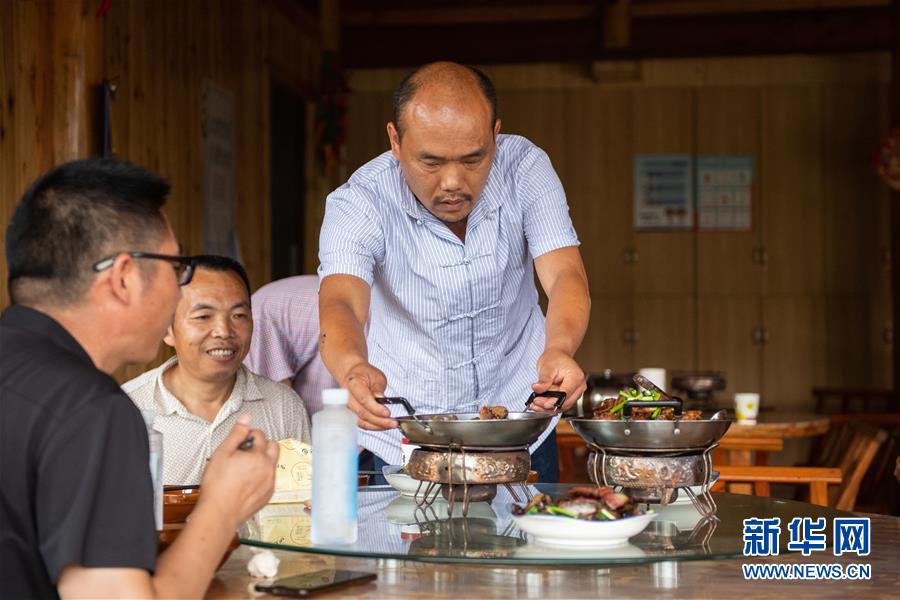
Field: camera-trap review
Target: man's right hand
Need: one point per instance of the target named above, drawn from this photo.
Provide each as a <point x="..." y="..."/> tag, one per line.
<point x="239" y="482"/>
<point x="365" y="382"/>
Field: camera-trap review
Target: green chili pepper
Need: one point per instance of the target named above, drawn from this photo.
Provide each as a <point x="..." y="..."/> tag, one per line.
<point x="656" y="413"/>
<point x="607" y="514"/>
<point x="617" y="407"/>
<point x="561" y="511"/>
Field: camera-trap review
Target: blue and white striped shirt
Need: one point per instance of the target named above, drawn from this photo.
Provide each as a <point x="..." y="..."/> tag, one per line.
<point x="452" y="325"/>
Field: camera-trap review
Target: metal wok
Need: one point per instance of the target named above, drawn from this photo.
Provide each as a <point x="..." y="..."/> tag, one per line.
<point x="516" y="430"/>
<point x="652" y="436"/>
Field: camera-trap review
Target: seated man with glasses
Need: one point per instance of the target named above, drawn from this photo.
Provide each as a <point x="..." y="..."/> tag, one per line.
<point x="86" y="250"/>
<point x="199" y="393"/>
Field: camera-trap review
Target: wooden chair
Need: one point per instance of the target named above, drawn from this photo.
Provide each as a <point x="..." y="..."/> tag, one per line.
<point x="818" y="479"/>
<point x="853" y="452"/>
<point x="864" y="444"/>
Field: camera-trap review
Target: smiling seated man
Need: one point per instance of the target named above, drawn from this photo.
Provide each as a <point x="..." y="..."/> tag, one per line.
<point x="199" y="393"/>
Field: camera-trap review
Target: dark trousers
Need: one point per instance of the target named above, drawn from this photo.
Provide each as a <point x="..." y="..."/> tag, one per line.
<point x="544" y="460"/>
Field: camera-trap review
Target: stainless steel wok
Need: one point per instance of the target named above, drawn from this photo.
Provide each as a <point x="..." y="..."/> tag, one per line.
<point x="662" y="436"/>
<point x="516" y="430"/>
<point x="653" y="436"/>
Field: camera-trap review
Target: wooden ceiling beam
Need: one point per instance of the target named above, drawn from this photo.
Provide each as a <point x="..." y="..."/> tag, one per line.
<point x="785" y="32"/>
<point x="674" y="8"/>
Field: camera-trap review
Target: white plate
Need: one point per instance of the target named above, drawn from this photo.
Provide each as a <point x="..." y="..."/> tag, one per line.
<point x="401" y="482"/>
<point x="618" y="551"/>
<point x="551" y="530"/>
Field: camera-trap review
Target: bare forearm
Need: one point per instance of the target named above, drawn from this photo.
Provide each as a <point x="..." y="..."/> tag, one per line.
<point x="568" y="312"/>
<point x="185" y="569"/>
<point x="341" y="340"/>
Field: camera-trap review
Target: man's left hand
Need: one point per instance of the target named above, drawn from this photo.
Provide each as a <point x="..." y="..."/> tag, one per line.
<point x="557" y="371"/>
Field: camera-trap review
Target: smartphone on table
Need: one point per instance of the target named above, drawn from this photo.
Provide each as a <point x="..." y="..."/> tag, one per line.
<point x="302" y="586"/>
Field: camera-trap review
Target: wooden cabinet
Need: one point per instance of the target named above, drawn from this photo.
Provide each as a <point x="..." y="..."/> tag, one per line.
<point x="803" y="298"/>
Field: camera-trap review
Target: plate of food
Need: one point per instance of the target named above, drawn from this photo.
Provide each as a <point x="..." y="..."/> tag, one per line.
<point x="589" y="517"/>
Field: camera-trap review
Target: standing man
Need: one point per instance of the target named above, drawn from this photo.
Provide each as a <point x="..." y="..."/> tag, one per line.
<point x="285" y="344"/>
<point x="200" y="393"/>
<point x="94" y="279"/>
<point x="436" y="242"/>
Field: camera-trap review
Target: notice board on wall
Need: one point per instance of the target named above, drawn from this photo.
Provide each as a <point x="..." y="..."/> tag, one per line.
<point x="663" y="192"/>
<point x="725" y="193"/>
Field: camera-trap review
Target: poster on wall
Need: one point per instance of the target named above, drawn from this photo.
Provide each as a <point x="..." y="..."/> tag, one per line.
<point x="725" y="193"/>
<point x="663" y="192"/>
<point x="217" y="122"/>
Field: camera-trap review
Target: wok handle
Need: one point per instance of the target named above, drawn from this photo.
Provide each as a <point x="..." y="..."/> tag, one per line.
<point x="674" y="404"/>
<point x="558" y="394"/>
<point x="397" y="400"/>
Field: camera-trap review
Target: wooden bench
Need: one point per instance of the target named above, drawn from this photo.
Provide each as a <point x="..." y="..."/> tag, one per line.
<point x="818" y="479"/>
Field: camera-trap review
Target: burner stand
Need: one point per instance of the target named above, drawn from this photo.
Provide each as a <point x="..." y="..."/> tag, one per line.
<point x="468" y="473"/>
<point x="656" y="478"/>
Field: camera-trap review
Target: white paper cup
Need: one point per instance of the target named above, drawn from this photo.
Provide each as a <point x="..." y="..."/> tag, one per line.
<point x="746" y="407"/>
<point x="656" y="375"/>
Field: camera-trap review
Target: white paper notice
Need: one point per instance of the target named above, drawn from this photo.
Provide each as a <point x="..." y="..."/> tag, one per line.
<point x="663" y="192"/>
<point x="725" y="193"/>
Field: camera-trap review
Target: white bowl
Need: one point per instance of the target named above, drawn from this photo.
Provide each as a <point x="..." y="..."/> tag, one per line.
<point x="552" y="530"/>
<point x="683" y="497"/>
<point x="401" y="482"/>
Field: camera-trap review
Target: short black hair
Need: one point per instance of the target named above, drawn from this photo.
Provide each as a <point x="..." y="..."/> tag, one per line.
<point x="74" y="215"/>
<point x="409" y="85"/>
<point x="213" y="262"/>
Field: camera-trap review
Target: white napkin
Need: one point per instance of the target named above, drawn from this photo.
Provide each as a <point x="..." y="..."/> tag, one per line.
<point x="263" y="564"/>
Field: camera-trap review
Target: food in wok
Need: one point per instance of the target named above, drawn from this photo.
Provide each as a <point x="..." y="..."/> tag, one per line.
<point x="488" y="413"/>
<point x="610" y="409"/>
<point x="586" y="503"/>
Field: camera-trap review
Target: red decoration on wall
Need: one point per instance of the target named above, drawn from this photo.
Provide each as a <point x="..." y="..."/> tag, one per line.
<point x="886" y="159"/>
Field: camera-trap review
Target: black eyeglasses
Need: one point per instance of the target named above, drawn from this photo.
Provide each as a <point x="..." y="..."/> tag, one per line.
<point x="183" y="265"/>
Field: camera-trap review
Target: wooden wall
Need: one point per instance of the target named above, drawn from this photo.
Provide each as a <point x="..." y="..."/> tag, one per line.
<point x="816" y="310"/>
<point x="56" y="52"/>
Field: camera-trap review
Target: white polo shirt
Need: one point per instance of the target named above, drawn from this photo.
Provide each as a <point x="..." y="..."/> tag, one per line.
<point x="188" y="440"/>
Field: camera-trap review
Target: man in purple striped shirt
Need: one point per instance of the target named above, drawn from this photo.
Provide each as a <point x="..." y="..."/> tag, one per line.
<point x="285" y="344"/>
<point x="436" y="243"/>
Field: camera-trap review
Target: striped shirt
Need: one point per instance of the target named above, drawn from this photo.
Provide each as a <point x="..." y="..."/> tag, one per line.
<point x="285" y="342"/>
<point x="453" y="325"/>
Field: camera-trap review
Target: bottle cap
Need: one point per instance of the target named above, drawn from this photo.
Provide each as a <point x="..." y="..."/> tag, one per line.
<point x="335" y="396"/>
<point x="149" y="416"/>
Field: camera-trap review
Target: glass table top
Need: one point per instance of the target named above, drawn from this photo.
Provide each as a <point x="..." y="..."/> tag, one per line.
<point x="392" y="526"/>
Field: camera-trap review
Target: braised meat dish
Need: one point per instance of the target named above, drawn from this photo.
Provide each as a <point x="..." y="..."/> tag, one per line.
<point x="611" y="410"/>
<point x="588" y="503"/>
<point x="488" y="413"/>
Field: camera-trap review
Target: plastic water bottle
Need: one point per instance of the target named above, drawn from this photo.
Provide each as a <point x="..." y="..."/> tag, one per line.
<point x="335" y="467"/>
<point x="156" y="466"/>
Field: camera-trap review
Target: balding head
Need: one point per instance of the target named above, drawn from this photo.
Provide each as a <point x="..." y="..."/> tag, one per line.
<point x="446" y="87"/>
<point x="447" y="113"/>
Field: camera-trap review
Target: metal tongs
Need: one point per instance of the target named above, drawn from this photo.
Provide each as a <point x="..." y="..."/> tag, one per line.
<point x="409" y="410"/>
<point x="665" y="401"/>
<point x="558" y="394"/>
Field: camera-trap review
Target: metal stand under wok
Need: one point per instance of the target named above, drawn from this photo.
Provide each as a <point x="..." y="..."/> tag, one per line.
<point x="656" y="477"/>
<point x="468" y="473"/>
